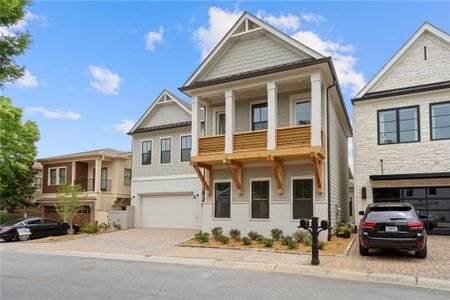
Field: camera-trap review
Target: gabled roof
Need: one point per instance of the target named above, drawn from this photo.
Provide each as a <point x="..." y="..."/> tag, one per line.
<point x="162" y="127"/>
<point x="100" y="152"/>
<point x="164" y="97"/>
<point x="426" y="27"/>
<point x="247" y="23"/>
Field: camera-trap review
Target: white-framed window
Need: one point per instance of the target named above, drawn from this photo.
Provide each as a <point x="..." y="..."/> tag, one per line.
<point x="147" y="152"/>
<point x="219" y="120"/>
<point x="302" y="112"/>
<point x="57" y="176"/>
<point x="302" y="198"/>
<point x="260" y="199"/>
<point x="126" y="176"/>
<point x="37" y="183"/>
<point x="186" y="146"/>
<point x="222" y="199"/>
<point x="166" y="150"/>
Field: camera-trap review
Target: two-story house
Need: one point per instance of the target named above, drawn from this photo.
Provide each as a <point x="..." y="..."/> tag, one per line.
<point x="104" y="174"/>
<point x="402" y="130"/>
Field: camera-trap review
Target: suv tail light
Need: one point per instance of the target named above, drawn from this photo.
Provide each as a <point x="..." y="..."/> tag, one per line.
<point x="415" y="224"/>
<point x="367" y="224"/>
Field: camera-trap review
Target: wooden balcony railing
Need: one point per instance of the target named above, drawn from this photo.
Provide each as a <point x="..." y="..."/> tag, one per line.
<point x="211" y="144"/>
<point x="298" y="136"/>
<point x="250" y="140"/>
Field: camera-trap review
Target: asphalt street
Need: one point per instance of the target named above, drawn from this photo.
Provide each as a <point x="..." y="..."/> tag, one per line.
<point x="35" y="276"/>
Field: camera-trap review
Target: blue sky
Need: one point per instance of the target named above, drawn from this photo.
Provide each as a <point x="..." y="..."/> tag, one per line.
<point x="95" y="67"/>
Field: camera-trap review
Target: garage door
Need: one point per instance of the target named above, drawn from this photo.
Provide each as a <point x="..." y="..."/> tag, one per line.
<point x="167" y="211"/>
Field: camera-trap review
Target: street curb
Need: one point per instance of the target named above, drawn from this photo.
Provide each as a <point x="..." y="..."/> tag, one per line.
<point x="406" y="280"/>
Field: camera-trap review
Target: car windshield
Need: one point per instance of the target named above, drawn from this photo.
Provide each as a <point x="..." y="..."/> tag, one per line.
<point x="383" y="214"/>
<point x="13" y="222"/>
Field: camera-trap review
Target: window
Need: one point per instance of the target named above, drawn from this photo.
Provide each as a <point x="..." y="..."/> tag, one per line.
<point x="398" y="125"/>
<point x="222" y="191"/>
<point x="440" y="121"/>
<point x="52" y="175"/>
<point x="37" y="183"/>
<point x="62" y="176"/>
<point x="104" y="182"/>
<point x="302" y="202"/>
<point x="302" y="113"/>
<point x="186" y="142"/>
<point x="260" y="199"/>
<point x="147" y="152"/>
<point x="127" y="176"/>
<point x="35" y="222"/>
<point x="49" y="221"/>
<point x="57" y="176"/>
<point x="165" y="150"/>
<point x="259" y="116"/>
<point x="220" y="123"/>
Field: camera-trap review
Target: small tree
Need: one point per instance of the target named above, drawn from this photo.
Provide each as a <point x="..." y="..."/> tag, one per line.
<point x="69" y="204"/>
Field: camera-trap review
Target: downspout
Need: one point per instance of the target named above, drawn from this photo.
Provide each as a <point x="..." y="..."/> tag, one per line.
<point x="328" y="159"/>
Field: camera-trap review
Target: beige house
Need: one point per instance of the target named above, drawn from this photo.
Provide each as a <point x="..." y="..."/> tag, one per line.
<point x="401" y="125"/>
<point x="104" y="174"/>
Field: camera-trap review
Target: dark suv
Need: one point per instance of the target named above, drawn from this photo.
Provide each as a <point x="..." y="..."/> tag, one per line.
<point x="392" y="226"/>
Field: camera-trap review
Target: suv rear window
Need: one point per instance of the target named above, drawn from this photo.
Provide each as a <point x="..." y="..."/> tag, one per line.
<point x="381" y="214"/>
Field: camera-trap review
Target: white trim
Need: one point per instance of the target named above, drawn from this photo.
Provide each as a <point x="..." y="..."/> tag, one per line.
<point x="213" y="206"/>
<point x="291" y="214"/>
<point x="216" y="111"/>
<point x="166" y="177"/>
<point x="251" y="103"/>
<point x="171" y="150"/>
<point x="151" y="155"/>
<point x="181" y="136"/>
<point x="250" y="199"/>
<point x="57" y="175"/>
<point x="424" y="28"/>
<point x="293" y="99"/>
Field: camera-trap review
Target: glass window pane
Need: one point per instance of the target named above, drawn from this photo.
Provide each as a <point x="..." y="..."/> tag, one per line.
<point x="302" y="113"/>
<point x="440" y="121"/>
<point x="62" y="176"/>
<point x="302" y="203"/>
<point x="221" y="123"/>
<point x="260" y="199"/>
<point x="222" y="200"/>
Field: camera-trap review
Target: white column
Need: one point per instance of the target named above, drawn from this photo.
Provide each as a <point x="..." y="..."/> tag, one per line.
<point x="229" y="120"/>
<point x="98" y="168"/>
<point x="316" y="109"/>
<point x="74" y="166"/>
<point x="272" y="115"/>
<point x="196" y="124"/>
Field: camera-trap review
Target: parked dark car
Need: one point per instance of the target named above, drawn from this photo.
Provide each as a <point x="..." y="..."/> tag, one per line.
<point x="392" y="225"/>
<point x="25" y="229"/>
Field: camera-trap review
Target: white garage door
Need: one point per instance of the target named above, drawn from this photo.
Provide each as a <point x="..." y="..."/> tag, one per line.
<point x="167" y="211"/>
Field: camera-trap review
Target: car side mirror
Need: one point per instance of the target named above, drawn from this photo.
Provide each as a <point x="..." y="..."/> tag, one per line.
<point x="361" y="213"/>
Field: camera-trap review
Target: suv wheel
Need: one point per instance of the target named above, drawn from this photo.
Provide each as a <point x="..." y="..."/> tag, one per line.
<point x="422" y="253"/>
<point x="363" y="251"/>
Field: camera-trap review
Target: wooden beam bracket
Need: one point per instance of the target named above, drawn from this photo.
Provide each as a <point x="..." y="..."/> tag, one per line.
<point x="237" y="173"/>
<point x="277" y="171"/>
<point x="207" y="182"/>
<point x="318" y="170"/>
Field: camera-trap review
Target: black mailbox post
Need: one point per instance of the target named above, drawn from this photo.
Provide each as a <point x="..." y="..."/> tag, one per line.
<point x="314" y="230"/>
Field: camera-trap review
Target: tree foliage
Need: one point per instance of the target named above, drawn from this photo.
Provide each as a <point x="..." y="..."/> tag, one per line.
<point x="350" y="174"/>
<point x="17" y="155"/>
<point x="69" y="203"/>
<point x="12" y="41"/>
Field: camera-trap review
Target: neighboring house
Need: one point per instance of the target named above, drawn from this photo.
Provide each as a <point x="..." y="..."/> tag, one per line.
<point x="269" y="140"/>
<point x="165" y="189"/>
<point x="37" y="183"/>
<point x="104" y="174"/>
<point x="402" y="130"/>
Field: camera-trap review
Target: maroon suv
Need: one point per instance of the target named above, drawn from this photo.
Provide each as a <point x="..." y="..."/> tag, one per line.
<point x="392" y="225"/>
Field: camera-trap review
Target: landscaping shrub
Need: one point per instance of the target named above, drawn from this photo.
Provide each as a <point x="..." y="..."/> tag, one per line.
<point x="104" y="227"/>
<point x="235" y="234"/>
<point x="223" y="239"/>
<point x="268" y="242"/>
<point x="292" y="244"/>
<point x="299" y="235"/>
<point x="260" y="239"/>
<point x="217" y="232"/>
<point x="276" y="233"/>
<point x="89" y="228"/>
<point x="307" y="240"/>
<point x="246" y="240"/>
<point x="321" y="245"/>
<point x="285" y="239"/>
<point x="202" y="236"/>
<point x="253" y="235"/>
<point x="343" y="230"/>
<point x="116" y="226"/>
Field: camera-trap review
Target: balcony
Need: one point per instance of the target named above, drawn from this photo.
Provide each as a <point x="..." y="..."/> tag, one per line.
<point x="88" y="185"/>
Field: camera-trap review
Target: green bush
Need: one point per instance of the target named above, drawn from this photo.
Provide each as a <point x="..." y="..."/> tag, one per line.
<point x="223" y="239"/>
<point x="116" y="226"/>
<point x="253" y="235"/>
<point x="217" y="232"/>
<point x="292" y="244"/>
<point x="285" y="239"/>
<point x="260" y="239"/>
<point x="299" y="235"/>
<point x="321" y="245"/>
<point x="235" y="234"/>
<point x="276" y="234"/>
<point x="104" y="227"/>
<point x="307" y="240"/>
<point x="89" y="228"/>
<point x="343" y="230"/>
<point x="246" y="240"/>
<point x="6" y="217"/>
<point x="268" y="242"/>
<point x="202" y="236"/>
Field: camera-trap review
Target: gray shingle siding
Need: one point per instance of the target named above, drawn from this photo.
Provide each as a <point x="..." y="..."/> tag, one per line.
<point x="166" y="113"/>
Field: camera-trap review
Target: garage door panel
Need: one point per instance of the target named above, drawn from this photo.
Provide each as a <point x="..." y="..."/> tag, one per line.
<point x="168" y="211"/>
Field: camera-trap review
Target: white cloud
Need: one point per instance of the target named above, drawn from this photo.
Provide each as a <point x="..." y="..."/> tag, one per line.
<point x="220" y="21"/>
<point x="153" y="37"/>
<point x="21" y="25"/>
<point x="283" y="22"/>
<point x="104" y="81"/>
<point x="342" y="55"/>
<point x="311" y="17"/>
<point x="124" y="126"/>
<point x="28" y="80"/>
<point x="57" y="114"/>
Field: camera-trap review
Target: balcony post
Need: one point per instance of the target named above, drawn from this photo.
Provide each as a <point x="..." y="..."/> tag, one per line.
<point x="229" y="120"/>
<point x="316" y="109"/>
<point x="98" y="168"/>
<point x="272" y="115"/>
<point x="196" y="124"/>
<point x="74" y="166"/>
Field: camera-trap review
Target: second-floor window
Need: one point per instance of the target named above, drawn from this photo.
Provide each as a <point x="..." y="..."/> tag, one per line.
<point x="38" y="183"/>
<point x="302" y="113"/>
<point x="400" y="125"/>
<point x="220" y="126"/>
<point x="147" y="152"/>
<point x="186" y="148"/>
<point x="440" y="121"/>
<point x="166" y="148"/>
<point x="259" y="116"/>
<point x="127" y="176"/>
<point x="57" y="176"/>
